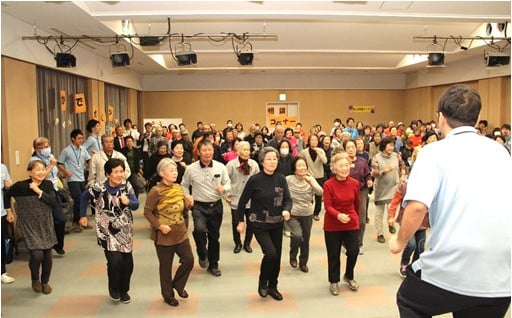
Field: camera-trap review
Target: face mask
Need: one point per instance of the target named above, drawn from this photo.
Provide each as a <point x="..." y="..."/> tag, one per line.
<point x="46" y="152"/>
<point x="230" y="125"/>
<point x="284" y="151"/>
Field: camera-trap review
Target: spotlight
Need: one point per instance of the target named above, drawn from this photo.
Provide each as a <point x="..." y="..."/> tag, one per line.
<point x="120" y="59"/>
<point x="186" y="58"/>
<point x="245" y="58"/>
<point x="184" y="54"/>
<point x="436" y="59"/>
<point x="497" y="59"/>
<point x="244" y="51"/>
<point x="65" y="60"/>
<point x="118" y="55"/>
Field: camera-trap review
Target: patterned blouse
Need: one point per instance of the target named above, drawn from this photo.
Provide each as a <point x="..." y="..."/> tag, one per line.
<point x="164" y="206"/>
<point x="114" y="220"/>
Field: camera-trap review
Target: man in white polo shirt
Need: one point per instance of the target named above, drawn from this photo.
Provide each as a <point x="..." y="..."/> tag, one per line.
<point x="466" y="269"/>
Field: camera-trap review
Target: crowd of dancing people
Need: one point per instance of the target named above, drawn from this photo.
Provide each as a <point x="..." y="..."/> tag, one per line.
<point x="274" y="181"/>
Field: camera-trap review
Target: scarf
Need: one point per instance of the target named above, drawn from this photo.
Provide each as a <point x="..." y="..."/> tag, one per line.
<point x="245" y="169"/>
<point x="312" y="153"/>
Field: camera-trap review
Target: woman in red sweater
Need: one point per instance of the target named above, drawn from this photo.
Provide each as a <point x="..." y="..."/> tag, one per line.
<point x="341" y="222"/>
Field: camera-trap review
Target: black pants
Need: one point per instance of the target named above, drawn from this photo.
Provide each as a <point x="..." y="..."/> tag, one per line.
<point x="119" y="270"/>
<point x="300" y="228"/>
<point x="207" y="220"/>
<point x="271" y="241"/>
<point x="333" y="242"/>
<point x="40" y="259"/>
<point x="76" y="188"/>
<point x="236" y="236"/>
<point x="4" y="237"/>
<point x="165" y="258"/>
<point x="318" y="198"/>
<point x="59" y="222"/>
<point x="417" y="298"/>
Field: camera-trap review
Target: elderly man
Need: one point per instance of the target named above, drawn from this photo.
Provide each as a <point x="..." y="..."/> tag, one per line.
<point x="98" y="160"/>
<point x="209" y="181"/>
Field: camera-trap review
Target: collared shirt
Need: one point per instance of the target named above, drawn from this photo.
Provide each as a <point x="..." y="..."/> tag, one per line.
<point x="97" y="167"/>
<point x="352" y="131"/>
<point x="5" y="176"/>
<point x="204" y="180"/>
<point x="93" y="142"/>
<point x="132" y="132"/>
<point x="74" y="160"/>
<point x="470" y="244"/>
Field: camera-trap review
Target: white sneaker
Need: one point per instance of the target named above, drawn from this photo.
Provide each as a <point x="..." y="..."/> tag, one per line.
<point x="6" y="279"/>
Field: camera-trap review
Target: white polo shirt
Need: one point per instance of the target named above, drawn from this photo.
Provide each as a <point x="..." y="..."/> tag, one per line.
<point x="464" y="180"/>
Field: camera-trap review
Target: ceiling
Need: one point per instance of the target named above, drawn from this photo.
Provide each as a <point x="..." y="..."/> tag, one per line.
<point x="309" y="36"/>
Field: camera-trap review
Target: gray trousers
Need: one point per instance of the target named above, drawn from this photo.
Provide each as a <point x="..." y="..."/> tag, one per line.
<point x="300" y="228"/>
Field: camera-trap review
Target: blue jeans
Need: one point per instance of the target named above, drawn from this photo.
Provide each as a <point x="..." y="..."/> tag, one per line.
<point x="415" y="245"/>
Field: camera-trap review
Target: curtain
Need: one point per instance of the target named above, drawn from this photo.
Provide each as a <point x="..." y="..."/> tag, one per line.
<point x="117" y="98"/>
<point x="54" y="123"/>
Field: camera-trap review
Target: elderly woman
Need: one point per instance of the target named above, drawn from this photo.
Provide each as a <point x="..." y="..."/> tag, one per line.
<point x="35" y="198"/>
<point x="240" y="170"/>
<point x="387" y="167"/>
<point x="114" y="200"/>
<point x="270" y="205"/>
<point x="303" y="187"/>
<point x="164" y="208"/>
<point x="43" y="152"/>
<point x="315" y="158"/>
<point x="341" y="222"/>
<point x="359" y="170"/>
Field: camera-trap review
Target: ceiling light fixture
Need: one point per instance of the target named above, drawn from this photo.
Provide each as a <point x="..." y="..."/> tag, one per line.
<point x="184" y="54"/>
<point x="65" y="60"/>
<point x="495" y="59"/>
<point x="119" y="55"/>
<point x="243" y="50"/>
<point x="436" y="54"/>
<point x="61" y="52"/>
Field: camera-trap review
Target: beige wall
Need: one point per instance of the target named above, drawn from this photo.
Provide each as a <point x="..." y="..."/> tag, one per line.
<point x="322" y="106"/>
<point x="19" y="115"/>
<point x="316" y="106"/>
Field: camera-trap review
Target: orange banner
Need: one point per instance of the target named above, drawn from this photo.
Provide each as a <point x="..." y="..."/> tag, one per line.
<point x="80" y="106"/>
<point x="63" y="101"/>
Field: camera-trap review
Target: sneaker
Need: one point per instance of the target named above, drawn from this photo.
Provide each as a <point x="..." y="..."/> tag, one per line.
<point x="352" y="284"/>
<point x="316" y="218"/>
<point x="334" y="289"/>
<point x="401" y="270"/>
<point x="114" y="295"/>
<point x="361" y="251"/>
<point x="381" y="239"/>
<point x="6" y="279"/>
<point x="125" y="298"/>
<point x="392" y="229"/>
